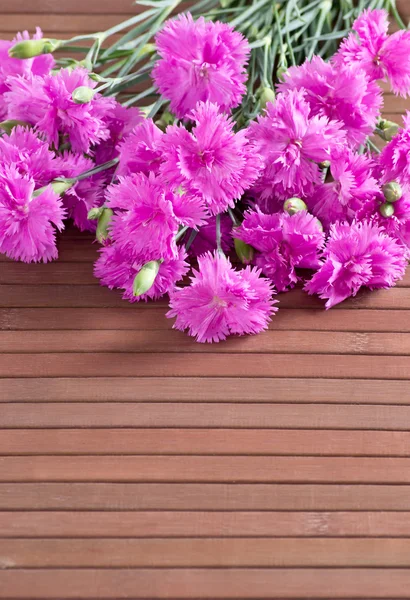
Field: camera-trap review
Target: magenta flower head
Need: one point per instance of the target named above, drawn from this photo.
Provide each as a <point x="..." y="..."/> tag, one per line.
<point x="291" y="143"/>
<point x="212" y="161"/>
<point x="28" y="154"/>
<point x="380" y="55"/>
<point x="27" y="223"/>
<point x="221" y="301"/>
<point x="394" y="160"/>
<point x="283" y="243"/>
<point x="353" y="193"/>
<point x="357" y="255"/>
<point x="39" y="65"/>
<point x="120" y="121"/>
<point x="200" y="61"/>
<point x="117" y="268"/>
<point x="139" y="151"/>
<point x="48" y="104"/>
<point x="339" y="93"/>
<point x="83" y="195"/>
<point x="148" y="216"/>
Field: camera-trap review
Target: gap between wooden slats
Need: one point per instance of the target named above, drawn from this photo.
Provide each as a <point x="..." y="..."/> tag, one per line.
<point x="202" y="389"/>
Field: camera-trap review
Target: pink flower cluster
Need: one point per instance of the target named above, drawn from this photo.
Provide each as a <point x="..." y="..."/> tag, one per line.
<point x="298" y="192"/>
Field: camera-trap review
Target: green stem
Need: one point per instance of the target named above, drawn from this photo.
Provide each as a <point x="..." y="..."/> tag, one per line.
<point x="218" y="234"/>
<point x="97" y="169"/>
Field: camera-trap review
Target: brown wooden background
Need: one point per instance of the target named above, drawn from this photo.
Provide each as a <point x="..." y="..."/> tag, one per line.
<point x="138" y="464"/>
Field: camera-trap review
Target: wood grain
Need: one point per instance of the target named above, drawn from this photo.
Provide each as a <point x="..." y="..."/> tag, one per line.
<point x="135" y="463"/>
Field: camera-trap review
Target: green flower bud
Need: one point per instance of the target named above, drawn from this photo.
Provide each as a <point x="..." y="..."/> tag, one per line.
<point x="83" y="94"/>
<point x="324" y="164"/>
<point x="392" y="191"/>
<point x="103" y="223"/>
<point x="266" y="95"/>
<point x="280" y="72"/>
<point x="8" y="126"/>
<point x="294" y="205"/>
<point x="144" y="279"/>
<point x="386" y="209"/>
<point x="243" y="251"/>
<point x="387" y="129"/>
<point x="95" y="213"/>
<point x="31" y="48"/>
<point x="60" y="186"/>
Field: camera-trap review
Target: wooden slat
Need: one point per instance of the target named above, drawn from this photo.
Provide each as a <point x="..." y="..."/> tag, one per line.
<point x="152" y="318"/>
<point x="206" y="441"/>
<point x="203" y="365"/>
<point x="56" y="553"/>
<point x="40" y="296"/>
<point x="201" y="524"/>
<point x="63" y="23"/>
<point x="205" y="583"/>
<point x="45" y="7"/>
<point x="201" y="389"/>
<point x="263" y="469"/>
<point x="222" y="415"/>
<point x="209" y="497"/>
<point x="272" y="342"/>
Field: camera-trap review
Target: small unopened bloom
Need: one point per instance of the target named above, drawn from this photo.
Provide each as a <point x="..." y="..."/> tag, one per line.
<point x="294" y="205"/>
<point x="392" y="191"/>
<point x="32" y="48"/>
<point x="104" y="221"/>
<point x="243" y="251"/>
<point x="387" y="209"/>
<point x="144" y="279"/>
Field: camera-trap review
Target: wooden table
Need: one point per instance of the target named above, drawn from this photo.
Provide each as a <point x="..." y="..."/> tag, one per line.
<point x="138" y="464"/>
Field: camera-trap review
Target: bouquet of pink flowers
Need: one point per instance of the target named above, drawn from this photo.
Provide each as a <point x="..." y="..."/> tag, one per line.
<point x="297" y="193"/>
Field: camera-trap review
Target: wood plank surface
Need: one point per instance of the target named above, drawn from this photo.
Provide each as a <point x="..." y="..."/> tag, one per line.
<point x="135" y="463"/>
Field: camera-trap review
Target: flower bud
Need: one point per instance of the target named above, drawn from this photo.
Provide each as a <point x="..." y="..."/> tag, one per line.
<point x="144" y="279"/>
<point x="294" y="205"/>
<point x="83" y="94"/>
<point x="95" y="213"/>
<point x="103" y="223"/>
<point x="280" y="72"/>
<point x="266" y="95"/>
<point x="392" y="191"/>
<point x="325" y="164"/>
<point x="243" y="251"/>
<point x="8" y="126"/>
<point x="386" y="209"/>
<point x="31" y="48"/>
<point x="60" y="186"/>
<point x="387" y="129"/>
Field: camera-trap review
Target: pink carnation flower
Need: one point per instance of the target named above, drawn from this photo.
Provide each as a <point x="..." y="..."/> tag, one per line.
<point x="212" y="161"/>
<point x="291" y="143"/>
<point x="27" y="223"/>
<point x="394" y="160"/>
<point x="205" y="240"/>
<point x="353" y="193"/>
<point x="139" y="152"/>
<point x="148" y="216"/>
<point x="284" y="243"/>
<point x="117" y="269"/>
<point x="28" y="154"/>
<point x="200" y="61"/>
<point x="221" y="301"/>
<point x="357" y="255"/>
<point x="120" y="121"/>
<point x="83" y="195"/>
<point x="339" y="93"/>
<point x="47" y="103"/>
<point x="39" y="65"/>
<point x="380" y="55"/>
